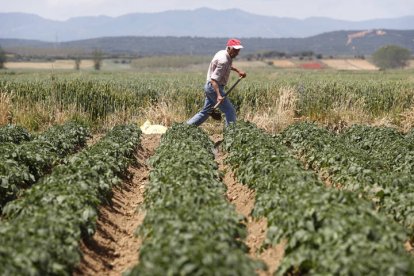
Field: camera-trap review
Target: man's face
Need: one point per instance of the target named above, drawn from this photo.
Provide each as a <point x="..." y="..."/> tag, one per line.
<point x="233" y="52"/>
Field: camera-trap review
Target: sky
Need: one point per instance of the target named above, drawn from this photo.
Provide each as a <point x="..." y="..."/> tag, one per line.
<point x="353" y="10"/>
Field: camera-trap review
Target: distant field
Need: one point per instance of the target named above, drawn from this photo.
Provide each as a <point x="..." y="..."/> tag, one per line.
<point x="58" y="64"/>
<point x="197" y="63"/>
<point x="251" y="64"/>
<point x="284" y="63"/>
<point x="349" y="64"/>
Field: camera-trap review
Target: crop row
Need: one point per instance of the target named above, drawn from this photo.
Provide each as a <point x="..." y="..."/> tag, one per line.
<point x="328" y="231"/>
<point x="394" y="149"/>
<point x="189" y="227"/>
<point x="13" y="134"/>
<point x="41" y="231"/>
<point x="23" y="164"/>
<point x="374" y="176"/>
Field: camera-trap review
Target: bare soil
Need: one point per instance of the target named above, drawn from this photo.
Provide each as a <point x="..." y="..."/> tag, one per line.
<point x="243" y="199"/>
<point x="114" y="246"/>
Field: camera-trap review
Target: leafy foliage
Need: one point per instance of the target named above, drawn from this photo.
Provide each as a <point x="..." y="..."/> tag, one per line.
<point x="391" y="56"/>
<point x="2" y="58"/>
<point x="41" y="231"/>
<point x="14" y="134"/>
<point x="22" y="165"/>
<point x="189" y="227"/>
<point x="329" y="232"/>
<point x="97" y="57"/>
<point x="376" y="163"/>
<point x="385" y="144"/>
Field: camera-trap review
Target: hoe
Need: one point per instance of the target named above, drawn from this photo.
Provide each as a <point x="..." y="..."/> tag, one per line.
<point x="214" y="112"/>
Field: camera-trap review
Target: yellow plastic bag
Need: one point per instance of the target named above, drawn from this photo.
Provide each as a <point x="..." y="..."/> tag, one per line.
<point x="147" y="128"/>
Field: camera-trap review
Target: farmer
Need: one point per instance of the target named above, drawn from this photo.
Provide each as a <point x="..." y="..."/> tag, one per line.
<point x="217" y="77"/>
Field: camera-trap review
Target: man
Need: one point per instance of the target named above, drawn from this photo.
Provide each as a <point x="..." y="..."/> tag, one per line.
<point x="217" y="77"/>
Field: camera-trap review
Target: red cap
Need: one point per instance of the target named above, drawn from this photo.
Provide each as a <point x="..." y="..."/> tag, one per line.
<point x="235" y="43"/>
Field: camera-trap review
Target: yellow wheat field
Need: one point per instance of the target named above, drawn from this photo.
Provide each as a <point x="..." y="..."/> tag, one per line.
<point x="349" y="64"/>
<point x="283" y="63"/>
<point x="58" y="64"/>
<point x="410" y="64"/>
<point x="251" y="64"/>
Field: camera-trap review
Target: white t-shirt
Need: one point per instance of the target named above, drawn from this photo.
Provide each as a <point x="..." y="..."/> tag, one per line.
<point x="220" y="67"/>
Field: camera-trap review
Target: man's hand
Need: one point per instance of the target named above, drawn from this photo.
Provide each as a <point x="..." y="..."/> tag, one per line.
<point x="220" y="99"/>
<point x="242" y="74"/>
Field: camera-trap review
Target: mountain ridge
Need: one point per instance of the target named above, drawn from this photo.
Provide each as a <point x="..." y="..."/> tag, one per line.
<point x="342" y="43"/>
<point x="226" y="23"/>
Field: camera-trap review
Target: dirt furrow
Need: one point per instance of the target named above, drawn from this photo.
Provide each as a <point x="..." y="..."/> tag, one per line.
<point x="114" y="246"/>
<point x="243" y="199"/>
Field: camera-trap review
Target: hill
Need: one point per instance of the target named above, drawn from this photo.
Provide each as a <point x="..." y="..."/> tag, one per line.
<point x="226" y="23"/>
<point x="338" y="43"/>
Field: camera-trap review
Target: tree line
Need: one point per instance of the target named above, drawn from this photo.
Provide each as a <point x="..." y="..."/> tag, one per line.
<point x="386" y="57"/>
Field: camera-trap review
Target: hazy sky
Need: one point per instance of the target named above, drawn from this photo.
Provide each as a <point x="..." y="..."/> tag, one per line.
<point x="354" y="10"/>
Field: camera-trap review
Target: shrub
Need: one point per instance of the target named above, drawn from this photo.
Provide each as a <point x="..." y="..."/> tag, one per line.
<point x="391" y="56"/>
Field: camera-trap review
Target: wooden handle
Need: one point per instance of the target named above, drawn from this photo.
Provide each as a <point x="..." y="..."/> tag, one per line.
<point x="216" y="105"/>
<point x="231" y="88"/>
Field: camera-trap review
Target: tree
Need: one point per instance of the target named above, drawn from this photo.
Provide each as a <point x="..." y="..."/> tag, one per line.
<point x="97" y="59"/>
<point x="2" y="58"/>
<point x="77" y="63"/>
<point x="391" y="56"/>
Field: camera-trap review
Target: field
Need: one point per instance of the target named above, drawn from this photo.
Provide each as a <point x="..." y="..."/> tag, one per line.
<point x="314" y="178"/>
<point x="58" y="64"/>
<point x="183" y="61"/>
<point x="349" y="64"/>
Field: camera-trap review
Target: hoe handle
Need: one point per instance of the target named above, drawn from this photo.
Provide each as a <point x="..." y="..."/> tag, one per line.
<point x="228" y="91"/>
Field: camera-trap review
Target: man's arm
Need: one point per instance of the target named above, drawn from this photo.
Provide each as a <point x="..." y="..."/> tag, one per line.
<point x="217" y="89"/>
<point x="241" y="73"/>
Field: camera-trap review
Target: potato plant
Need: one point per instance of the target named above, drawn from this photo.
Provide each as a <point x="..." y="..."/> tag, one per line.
<point x="14" y="134"/>
<point x="42" y="230"/>
<point x="328" y="231"/>
<point x="21" y="165"/>
<point x="359" y="162"/>
<point x="189" y="227"/>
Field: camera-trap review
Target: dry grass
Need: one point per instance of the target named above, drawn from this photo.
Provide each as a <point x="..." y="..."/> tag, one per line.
<point x="386" y="121"/>
<point x="163" y="113"/>
<point x="407" y="119"/>
<point x="118" y="118"/>
<point x="61" y="116"/>
<point x="39" y="116"/>
<point x="275" y="119"/>
<point x="34" y="117"/>
<point x="351" y="114"/>
<point x="346" y="115"/>
<point x="5" y="108"/>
